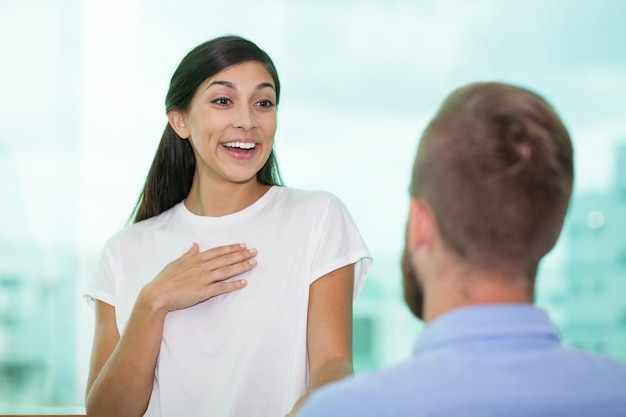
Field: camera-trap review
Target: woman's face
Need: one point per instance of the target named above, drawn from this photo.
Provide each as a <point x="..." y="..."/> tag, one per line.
<point x="231" y="123"/>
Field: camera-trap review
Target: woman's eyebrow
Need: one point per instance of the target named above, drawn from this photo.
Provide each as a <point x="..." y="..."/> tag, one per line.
<point x="265" y="85"/>
<point x="224" y="83"/>
<point x="232" y="85"/>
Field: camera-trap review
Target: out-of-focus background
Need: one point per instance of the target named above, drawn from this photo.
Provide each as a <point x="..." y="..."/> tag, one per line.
<point x="82" y="85"/>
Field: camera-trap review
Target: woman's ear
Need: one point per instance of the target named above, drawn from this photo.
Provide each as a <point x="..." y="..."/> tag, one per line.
<point x="177" y="121"/>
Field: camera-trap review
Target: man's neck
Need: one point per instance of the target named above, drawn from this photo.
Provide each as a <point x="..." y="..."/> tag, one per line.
<point x="457" y="285"/>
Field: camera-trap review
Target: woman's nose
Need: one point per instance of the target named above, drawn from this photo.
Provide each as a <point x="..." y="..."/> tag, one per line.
<point x="246" y="119"/>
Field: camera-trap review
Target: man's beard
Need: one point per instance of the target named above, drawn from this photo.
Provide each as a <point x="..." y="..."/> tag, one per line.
<point x="413" y="293"/>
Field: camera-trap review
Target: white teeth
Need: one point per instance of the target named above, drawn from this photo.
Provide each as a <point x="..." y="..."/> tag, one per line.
<point x="241" y="145"/>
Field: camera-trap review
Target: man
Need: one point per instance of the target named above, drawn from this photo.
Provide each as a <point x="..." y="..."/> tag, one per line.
<point x="490" y="189"/>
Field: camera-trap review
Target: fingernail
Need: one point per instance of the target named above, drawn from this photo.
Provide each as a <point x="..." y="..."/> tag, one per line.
<point x="242" y="282"/>
<point x="252" y="261"/>
<point x="252" y="251"/>
<point x="242" y="245"/>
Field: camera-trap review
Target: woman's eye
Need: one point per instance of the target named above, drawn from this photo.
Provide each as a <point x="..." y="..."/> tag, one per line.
<point x="265" y="104"/>
<point x="222" y="101"/>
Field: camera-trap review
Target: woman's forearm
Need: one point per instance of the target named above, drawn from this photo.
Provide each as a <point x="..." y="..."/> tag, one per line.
<point x="124" y="384"/>
<point x="332" y="370"/>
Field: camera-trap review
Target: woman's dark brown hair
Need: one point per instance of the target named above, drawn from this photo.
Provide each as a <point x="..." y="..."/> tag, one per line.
<point x="171" y="174"/>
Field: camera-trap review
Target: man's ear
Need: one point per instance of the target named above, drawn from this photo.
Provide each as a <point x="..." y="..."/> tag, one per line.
<point x="177" y="121"/>
<point x="421" y="225"/>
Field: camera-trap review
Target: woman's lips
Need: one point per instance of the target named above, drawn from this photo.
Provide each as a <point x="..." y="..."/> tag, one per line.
<point x="241" y="149"/>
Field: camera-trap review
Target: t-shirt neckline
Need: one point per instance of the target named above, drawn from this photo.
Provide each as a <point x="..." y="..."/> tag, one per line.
<point x="247" y="212"/>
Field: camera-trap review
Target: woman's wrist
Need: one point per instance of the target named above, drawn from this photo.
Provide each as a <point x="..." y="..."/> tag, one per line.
<point x="151" y="302"/>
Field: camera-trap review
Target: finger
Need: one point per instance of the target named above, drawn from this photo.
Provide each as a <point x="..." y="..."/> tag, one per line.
<point x="224" y="287"/>
<point x="187" y="256"/>
<point x="222" y="250"/>
<point x="231" y="270"/>
<point x="229" y="259"/>
<point x="194" y="250"/>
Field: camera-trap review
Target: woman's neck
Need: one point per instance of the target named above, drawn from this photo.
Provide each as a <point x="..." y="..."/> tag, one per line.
<point x="217" y="200"/>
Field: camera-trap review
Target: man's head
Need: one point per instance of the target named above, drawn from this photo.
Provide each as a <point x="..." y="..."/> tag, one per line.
<point x="494" y="171"/>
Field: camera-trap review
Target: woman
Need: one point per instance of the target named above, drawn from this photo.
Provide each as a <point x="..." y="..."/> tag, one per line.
<point x="230" y="295"/>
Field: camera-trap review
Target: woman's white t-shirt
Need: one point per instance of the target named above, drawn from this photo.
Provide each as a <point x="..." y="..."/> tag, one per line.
<point x="242" y="353"/>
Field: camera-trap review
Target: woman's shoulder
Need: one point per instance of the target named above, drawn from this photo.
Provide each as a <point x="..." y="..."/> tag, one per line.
<point x="302" y="196"/>
<point x="145" y="228"/>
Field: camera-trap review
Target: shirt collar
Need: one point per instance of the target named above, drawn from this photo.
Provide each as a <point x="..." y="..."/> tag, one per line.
<point x="486" y="322"/>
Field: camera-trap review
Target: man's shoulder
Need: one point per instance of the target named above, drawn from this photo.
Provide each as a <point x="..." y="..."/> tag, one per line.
<point x="368" y="393"/>
<point x="587" y="379"/>
<point x="595" y="366"/>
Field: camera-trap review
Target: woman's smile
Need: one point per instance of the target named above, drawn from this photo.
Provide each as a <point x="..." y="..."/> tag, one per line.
<point x="241" y="148"/>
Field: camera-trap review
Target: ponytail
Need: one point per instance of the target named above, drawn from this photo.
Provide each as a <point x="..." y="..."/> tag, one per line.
<point x="169" y="179"/>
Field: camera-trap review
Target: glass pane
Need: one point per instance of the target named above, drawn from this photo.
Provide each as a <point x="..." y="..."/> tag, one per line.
<point x="82" y="90"/>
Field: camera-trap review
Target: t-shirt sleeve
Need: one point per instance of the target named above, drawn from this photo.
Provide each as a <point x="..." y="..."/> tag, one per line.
<point x="338" y="243"/>
<point x="101" y="286"/>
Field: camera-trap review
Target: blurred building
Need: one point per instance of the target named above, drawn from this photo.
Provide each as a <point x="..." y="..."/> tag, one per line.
<point x="38" y="176"/>
<point x="594" y="303"/>
<point x="37" y="304"/>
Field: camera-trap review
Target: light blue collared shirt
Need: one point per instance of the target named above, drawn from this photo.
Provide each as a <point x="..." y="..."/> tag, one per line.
<point x="488" y="360"/>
